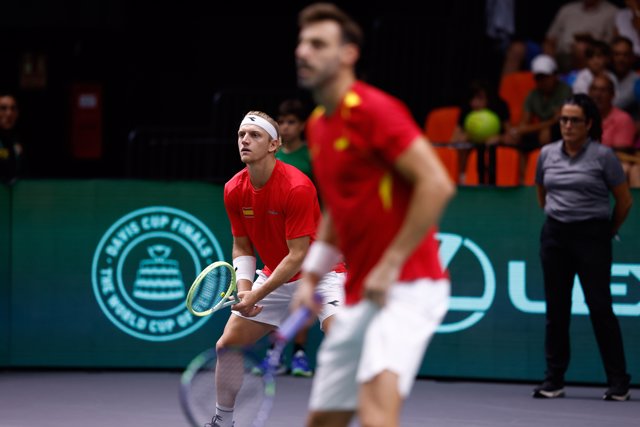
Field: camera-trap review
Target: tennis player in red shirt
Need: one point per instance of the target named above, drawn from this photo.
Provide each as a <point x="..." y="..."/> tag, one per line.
<point x="274" y="212"/>
<point x="383" y="190"/>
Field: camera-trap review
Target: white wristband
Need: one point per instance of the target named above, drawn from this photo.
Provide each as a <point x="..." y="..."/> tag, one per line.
<point x="245" y="267"/>
<point x="321" y="258"/>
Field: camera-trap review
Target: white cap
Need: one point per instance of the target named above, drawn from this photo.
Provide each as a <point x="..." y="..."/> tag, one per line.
<point x="543" y="64"/>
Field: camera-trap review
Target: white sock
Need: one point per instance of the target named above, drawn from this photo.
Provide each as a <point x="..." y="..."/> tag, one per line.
<point x="224" y="416"/>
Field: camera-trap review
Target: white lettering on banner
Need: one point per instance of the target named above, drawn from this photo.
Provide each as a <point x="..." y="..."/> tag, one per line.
<point x="188" y="230"/>
<point x="122" y="236"/>
<point x="185" y="319"/>
<point x="126" y="315"/>
<point x="520" y="300"/>
<point x="162" y="326"/>
<point x="154" y="222"/>
<point x="143" y="267"/>
<point x="476" y="307"/>
<point x="106" y="280"/>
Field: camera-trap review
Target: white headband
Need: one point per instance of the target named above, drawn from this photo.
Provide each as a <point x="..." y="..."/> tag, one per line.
<point x="263" y="123"/>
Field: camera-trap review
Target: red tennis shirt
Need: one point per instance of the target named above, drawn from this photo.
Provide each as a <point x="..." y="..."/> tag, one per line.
<point x="352" y="154"/>
<point x="285" y="208"/>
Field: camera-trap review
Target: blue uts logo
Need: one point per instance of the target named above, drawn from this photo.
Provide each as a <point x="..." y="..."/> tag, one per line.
<point x="143" y="267"/>
<point x="453" y="246"/>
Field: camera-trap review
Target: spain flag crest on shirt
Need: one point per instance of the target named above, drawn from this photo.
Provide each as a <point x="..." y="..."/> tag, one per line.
<point x="247" y="212"/>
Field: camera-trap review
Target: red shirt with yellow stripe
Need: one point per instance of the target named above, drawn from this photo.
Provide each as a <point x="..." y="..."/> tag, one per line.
<point x="352" y="154"/>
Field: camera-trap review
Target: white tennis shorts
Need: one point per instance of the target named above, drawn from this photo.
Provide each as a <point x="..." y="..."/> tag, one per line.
<point x="276" y="304"/>
<point x="365" y="340"/>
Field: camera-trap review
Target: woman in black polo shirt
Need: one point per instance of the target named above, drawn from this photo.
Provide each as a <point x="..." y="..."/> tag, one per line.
<point x="574" y="178"/>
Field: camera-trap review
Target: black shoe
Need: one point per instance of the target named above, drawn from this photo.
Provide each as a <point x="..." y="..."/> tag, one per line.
<point x="549" y="390"/>
<point x="619" y="393"/>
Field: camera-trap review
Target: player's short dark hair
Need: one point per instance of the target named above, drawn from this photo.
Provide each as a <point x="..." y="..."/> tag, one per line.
<point x="316" y="12"/>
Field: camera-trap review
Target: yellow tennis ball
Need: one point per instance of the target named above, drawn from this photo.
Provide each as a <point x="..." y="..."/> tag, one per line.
<point x="481" y="124"/>
<point x="222" y="294"/>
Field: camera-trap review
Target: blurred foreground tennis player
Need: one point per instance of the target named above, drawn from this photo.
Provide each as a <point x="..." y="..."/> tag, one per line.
<point x="383" y="190"/>
<point x="274" y="211"/>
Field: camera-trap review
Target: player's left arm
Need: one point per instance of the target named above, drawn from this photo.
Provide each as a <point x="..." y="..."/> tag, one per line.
<point x="242" y="247"/>
<point x="287" y="268"/>
<point x="432" y="189"/>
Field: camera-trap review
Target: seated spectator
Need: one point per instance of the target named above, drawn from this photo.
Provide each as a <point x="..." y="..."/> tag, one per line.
<point x="573" y="27"/>
<point x="627" y="24"/>
<point x="519" y="54"/>
<point x="581" y="43"/>
<point x="481" y="96"/>
<point x="618" y="128"/>
<point x="581" y="17"/>
<point x="622" y="60"/>
<point x="12" y="164"/>
<point x="292" y="116"/>
<point x="598" y="60"/>
<point x="540" y="112"/>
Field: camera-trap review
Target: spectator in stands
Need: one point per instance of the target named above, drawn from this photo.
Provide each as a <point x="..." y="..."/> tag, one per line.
<point x="12" y="157"/>
<point x="580" y="17"/>
<point x="539" y="123"/>
<point x="622" y="60"/>
<point x="481" y="96"/>
<point x="598" y="56"/>
<point x="292" y="116"/>
<point x="627" y="24"/>
<point x="573" y="27"/>
<point x="618" y="127"/>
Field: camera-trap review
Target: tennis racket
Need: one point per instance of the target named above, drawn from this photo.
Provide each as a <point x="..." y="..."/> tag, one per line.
<point x="244" y="367"/>
<point x="214" y="289"/>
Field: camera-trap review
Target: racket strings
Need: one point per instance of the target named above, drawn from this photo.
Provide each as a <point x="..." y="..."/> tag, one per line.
<point x="212" y="289"/>
<point x="239" y="372"/>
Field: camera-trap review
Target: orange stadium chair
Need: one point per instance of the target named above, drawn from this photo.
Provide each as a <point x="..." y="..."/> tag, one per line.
<point x="507" y="166"/>
<point x="514" y="88"/>
<point x="530" y="171"/>
<point x="438" y="127"/>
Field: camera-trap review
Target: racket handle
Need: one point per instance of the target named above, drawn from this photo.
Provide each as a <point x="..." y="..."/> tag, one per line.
<point x="295" y="322"/>
<point x="292" y="324"/>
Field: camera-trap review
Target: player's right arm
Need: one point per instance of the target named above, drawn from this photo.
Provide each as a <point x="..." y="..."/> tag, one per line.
<point x="323" y="254"/>
<point x="242" y="247"/>
<point x="432" y="189"/>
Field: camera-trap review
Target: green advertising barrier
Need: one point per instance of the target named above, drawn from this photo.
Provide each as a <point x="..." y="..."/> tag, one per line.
<point x="100" y="271"/>
<point x="5" y="275"/>
<point x="495" y="326"/>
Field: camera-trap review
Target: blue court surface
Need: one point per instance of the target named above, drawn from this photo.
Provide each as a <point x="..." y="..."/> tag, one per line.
<point x="150" y="398"/>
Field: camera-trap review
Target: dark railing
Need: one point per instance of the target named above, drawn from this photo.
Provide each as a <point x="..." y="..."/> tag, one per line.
<point x="204" y="153"/>
<point x="181" y="154"/>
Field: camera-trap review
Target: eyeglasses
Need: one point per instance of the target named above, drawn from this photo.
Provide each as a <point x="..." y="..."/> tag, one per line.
<point x="565" y="120"/>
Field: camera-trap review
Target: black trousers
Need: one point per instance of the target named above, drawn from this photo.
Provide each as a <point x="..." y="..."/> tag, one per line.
<point x="582" y="248"/>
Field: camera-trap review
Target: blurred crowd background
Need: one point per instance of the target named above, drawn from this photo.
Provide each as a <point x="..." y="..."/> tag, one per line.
<point x="160" y="72"/>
